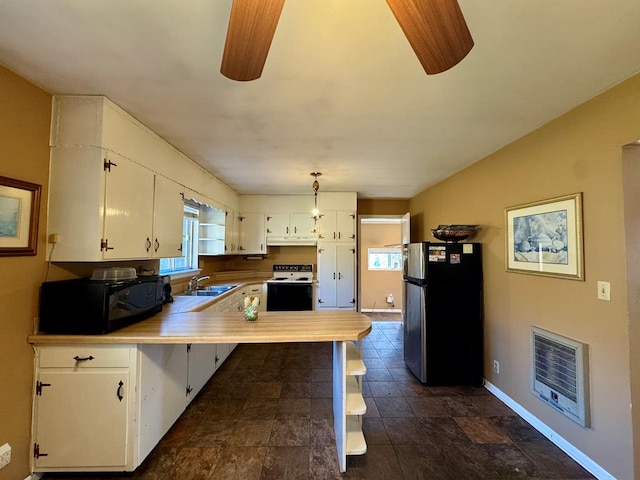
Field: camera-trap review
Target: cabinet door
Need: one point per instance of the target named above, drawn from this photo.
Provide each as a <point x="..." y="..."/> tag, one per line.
<point x="302" y="225"/>
<point x="277" y="225"/>
<point x="231" y="232"/>
<point x="252" y="234"/>
<point x="163" y="383"/>
<point x="128" y="216"/>
<point x="327" y="226"/>
<point x="327" y="276"/>
<point x="201" y="365"/>
<point x="345" y="267"/>
<point x="345" y="226"/>
<point x="82" y="419"/>
<point x="76" y="203"/>
<point x="168" y="213"/>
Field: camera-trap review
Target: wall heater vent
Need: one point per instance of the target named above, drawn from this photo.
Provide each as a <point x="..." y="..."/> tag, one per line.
<point x="559" y="374"/>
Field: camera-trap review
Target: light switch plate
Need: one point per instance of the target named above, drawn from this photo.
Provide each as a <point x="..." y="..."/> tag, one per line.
<point x="604" y="291"/>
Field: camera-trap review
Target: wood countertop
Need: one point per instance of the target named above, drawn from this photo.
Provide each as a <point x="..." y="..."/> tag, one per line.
<point x="229" y="327"/>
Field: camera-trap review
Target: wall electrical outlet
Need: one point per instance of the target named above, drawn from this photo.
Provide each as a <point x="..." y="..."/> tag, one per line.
<point x="5" y="455"/>
<point x="496" y="366"/>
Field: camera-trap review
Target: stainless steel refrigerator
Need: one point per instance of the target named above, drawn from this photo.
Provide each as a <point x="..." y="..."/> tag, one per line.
<point x="443" y="312"/>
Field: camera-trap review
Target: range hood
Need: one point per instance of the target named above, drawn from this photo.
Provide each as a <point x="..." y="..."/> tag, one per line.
<point x="290" y="241"/>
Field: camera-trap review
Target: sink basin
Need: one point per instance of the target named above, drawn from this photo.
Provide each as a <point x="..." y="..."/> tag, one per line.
<point x="210" y="291"/>
<point x="202" y="293"/>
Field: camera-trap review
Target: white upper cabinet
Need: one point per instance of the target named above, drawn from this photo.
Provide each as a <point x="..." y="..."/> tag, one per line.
<point x="128" y="210"/>
<point x="133" y="209"/>
<point x="252" y="234"/>
<point x="168" y="213"/>
<point x="338" y="226"/>
<point x="231" y="232"/>
<point x="103" y="206"/>
<point x="93" y="196"/>
<point x="290" y="228"/>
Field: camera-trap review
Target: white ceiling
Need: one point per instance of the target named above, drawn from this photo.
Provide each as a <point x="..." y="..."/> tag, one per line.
<point x="341" y="93"/>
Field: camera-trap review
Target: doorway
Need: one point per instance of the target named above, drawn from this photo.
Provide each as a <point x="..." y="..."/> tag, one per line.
<point x="380" y="265"/>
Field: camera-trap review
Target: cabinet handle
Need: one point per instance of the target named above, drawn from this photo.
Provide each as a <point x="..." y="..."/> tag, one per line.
<point x="180" y="248"/>
<point x="287" y="230"/>
<point x="148" y="244"/>
<point x="339" y="276"/>
<point x="295" y="229"/>
<point x="83" y="359"/>
<point x="334" y="275"/>
<point x="157" y="246"/>
<point x="334" y="235"/>
<point x="339" y="235"/>
<point x="320" y="300"/>
<point x="119" y="391"/>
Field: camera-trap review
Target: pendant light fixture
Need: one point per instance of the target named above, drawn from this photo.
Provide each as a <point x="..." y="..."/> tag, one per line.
<point x="315" y="213"/>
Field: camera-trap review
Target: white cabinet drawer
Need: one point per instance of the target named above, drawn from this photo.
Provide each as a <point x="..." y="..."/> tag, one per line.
<point x="84" y="356"/>
<point x="253" y="290"/>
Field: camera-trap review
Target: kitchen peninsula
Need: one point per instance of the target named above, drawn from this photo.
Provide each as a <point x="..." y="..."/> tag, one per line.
<point x="102" y="402"/>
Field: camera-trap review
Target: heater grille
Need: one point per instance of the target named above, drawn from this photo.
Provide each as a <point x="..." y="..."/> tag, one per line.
<point x="559" y="373"/>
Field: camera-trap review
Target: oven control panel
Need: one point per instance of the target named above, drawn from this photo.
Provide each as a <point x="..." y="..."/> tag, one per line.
<point x="300" y="268"/>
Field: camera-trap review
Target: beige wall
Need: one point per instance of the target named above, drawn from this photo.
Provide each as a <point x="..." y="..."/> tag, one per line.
<point x="382" y="206"/>
<point x="375" y="285"/>
<point x="578" y="152"/>
<point x="24" y="155"/>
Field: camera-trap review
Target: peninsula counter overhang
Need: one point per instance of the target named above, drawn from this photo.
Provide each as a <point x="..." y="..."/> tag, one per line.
<point x="229" y="327"/>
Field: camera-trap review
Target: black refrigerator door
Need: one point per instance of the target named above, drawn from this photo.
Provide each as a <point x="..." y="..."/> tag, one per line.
<point x="453" y="312"/>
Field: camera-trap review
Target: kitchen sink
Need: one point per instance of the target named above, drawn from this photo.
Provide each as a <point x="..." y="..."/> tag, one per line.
<point x="210" y="291"/>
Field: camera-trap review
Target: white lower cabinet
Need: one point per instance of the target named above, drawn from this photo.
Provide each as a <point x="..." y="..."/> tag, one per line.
<point x="84" y="404"/>
<point x="105" y="407"/>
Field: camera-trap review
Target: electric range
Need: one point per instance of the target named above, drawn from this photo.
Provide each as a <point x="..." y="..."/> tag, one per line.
<point x="290" y="288"/>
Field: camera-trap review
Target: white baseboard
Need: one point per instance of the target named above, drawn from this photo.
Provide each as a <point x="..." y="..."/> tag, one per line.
<point x="34" y="476"/>
<point x="381" y="310"/>
<point x="588" y="464"/>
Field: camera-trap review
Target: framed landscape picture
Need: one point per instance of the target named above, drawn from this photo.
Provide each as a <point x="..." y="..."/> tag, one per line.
<point x="545" y="237"/>
<point x="19" y="210"/>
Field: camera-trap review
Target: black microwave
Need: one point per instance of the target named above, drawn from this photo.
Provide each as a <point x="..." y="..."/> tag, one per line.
<point x="91" y="307"/>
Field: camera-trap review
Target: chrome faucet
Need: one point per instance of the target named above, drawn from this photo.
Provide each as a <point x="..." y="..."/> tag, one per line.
<point x="194" y="283"/>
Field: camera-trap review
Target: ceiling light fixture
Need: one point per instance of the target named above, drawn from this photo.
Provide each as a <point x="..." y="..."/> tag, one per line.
<point x="315" y="213"/>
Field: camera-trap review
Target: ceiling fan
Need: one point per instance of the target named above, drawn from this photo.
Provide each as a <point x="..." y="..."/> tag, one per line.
<point x="436" y="30"/>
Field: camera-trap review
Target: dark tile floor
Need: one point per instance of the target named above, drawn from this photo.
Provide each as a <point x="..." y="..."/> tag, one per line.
<point x="267" y="414"/>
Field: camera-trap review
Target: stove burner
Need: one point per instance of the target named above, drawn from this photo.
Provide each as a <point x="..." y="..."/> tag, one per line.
<point x="281" y="278"/>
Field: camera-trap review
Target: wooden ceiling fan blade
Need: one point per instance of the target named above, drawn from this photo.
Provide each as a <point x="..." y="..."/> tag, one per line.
<point x="436" y="30"/>
<point x="252" y="24"/>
